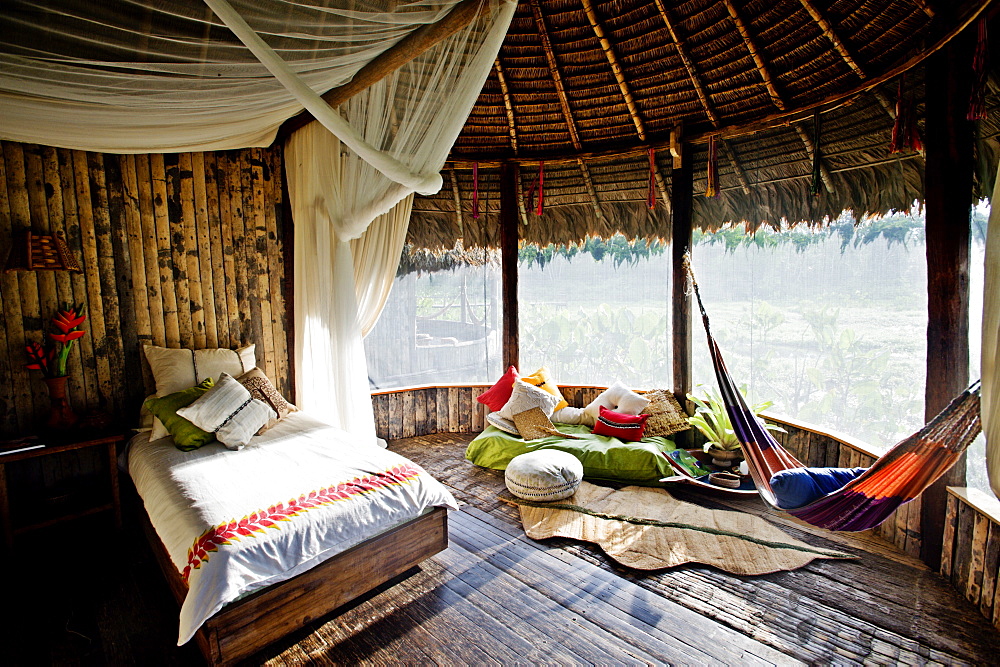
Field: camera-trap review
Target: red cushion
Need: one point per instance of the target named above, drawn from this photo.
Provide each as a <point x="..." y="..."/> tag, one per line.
<point x="497" y="396"/>
<point x="621" y="426"/>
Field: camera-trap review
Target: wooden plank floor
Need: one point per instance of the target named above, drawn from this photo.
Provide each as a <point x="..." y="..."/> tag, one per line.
<point x="497" y="597"/>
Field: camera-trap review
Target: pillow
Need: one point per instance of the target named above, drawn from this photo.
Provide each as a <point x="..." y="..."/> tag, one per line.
<point x="619" y="425"/>
<point x="175" y="369"/>
<point x="544" y="475"/>
<point x="496" y="396"/>
<point x="543" y="380"/>
<point x="260" y="388"/>
<point x="186" y="435"/>
<point x="618" y="398"/>
<point x="228" y="411"/>
<point x="796" y="487"/>
<point x="568" y="415"/>
<point x="524" y="397"/>
<point x="666" y="416"/>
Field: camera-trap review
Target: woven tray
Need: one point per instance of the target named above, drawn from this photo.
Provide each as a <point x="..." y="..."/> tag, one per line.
<point x="666" y="416"/>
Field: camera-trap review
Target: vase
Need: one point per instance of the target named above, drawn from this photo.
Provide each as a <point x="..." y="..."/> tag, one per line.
<point x="725" y="458"/>
<point x="61" y="415"/>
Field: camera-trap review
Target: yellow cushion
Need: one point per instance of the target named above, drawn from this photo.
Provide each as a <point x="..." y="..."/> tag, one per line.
<point x="543" y="380"/>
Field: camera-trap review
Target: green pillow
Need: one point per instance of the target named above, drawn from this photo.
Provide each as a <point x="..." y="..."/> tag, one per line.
<point x="603" y="458"/>
<point x="186" y="435"/>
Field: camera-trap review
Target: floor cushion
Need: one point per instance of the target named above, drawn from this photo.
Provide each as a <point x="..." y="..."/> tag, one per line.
<point x="544" y="475"/>
<point x="603" y="458"/>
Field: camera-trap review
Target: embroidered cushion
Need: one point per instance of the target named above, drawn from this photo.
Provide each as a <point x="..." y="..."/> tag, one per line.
<point x="543" y="380"/>
<point x="544" y="475"/>
<point x="666" y="416"/>
<point x="261" y="388"/>
<point x="496" y="396"/>
<point x="175" y="369"/>
<point x="619" y="425"/>
<point x="228" y="411"/>
<point x="186" y="435"/>
<point x="796" y="487"/>
<point x="524" y="397"/>
<point x="617" y="397"/>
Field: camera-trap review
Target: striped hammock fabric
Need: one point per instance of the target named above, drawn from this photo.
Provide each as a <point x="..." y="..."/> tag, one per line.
<point x="898" y="477"/>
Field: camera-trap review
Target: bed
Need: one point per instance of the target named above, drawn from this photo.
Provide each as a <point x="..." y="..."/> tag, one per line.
<point x="258" y="542"/>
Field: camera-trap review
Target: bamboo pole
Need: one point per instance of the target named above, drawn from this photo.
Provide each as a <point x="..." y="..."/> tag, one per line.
<point x="838" y="44"/>
<point x="275" y="261"/>
<point x="762" y="68"/>
<point x="213" y="211"/>
<point x="252" y="327"/>
<point x="457" y="198"/>
<point x="616" y="68"/>
<point x="147" y="232"/>
<point x="12" y="372"/>
<point x="165" y="259"/>
<point x="261" y="285"/>
<point x="192" y="267"/>
<point x="206" y="268"/>
<point x="111" y="345"/>
<point x="227" y="217"/>
<point x="508" y="104"/>
<point x="177" y="242"/>
<point x="543" y="34"/>
<point x="137" y="250"/>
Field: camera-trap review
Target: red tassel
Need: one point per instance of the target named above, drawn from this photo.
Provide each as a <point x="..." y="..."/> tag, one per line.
<point x="904" y="131"/>
<point x="541" y="188"/>
<point x="977" y="99"/>
<point x="475" y="190"/>
<point x="713" y="170"/>
<point x="651" y="197"/>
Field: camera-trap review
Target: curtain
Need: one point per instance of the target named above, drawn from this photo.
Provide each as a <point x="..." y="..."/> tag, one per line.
<point x="153" y="76"/>
<point x="351" y="197"/>
<point x="376" y="258"/>
<point x="991" y="343"/>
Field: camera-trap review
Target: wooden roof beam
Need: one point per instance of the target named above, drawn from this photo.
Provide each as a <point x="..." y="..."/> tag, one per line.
<point x="616" y="68"/>
<point x="550" y="56"/>
<point x="457" y="195"/>
<point x="699" y="89"/>
<point x="737" y="167"/>
<point x="831" y="35"/>
<point x="824" y="173"/>
<point x="508" y="104"/>
<point x="762" y="68"/>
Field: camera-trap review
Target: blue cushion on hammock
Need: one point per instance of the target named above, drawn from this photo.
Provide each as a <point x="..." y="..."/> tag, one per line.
<point x="796" y="487"/>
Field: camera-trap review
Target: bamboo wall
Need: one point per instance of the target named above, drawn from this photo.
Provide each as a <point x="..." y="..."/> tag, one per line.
<point x="177" y="250"/>
<point x="970" y="557"/>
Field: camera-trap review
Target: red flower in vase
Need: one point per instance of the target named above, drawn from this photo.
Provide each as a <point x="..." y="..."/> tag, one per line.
<point x="51" y="359"/>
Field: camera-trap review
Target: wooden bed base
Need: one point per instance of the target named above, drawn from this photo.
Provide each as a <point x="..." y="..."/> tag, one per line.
<point x="247" y="625"/>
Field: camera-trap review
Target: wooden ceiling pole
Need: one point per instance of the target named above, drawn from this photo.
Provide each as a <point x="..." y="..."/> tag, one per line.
<point x="512" y="129"/>
<point x="824" y="172"/>
<point x="834" y="38"/>
<point x="457" y="196"/>
<point x="762" y="68"/>
<point x="550" y="56"/>
<point x="699" y="90"/>
<point x="633" y="110"/>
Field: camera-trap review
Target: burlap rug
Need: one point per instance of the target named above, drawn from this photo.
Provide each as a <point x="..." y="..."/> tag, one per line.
<point x="648" y="529"/>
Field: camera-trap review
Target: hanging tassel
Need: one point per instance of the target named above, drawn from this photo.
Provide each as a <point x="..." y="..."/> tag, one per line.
<point x="713" y="169"/>
<point x="541" y="188"/>
<point x="651" y="197"/>
<point x="475" y="191"/>
<point x="814" y="186"/>
<point x="977" y="99"/>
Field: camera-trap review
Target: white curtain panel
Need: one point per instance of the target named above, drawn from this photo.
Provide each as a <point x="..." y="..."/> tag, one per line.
<point x="376" y="258"/>
<point x="168" y="76"/>
<point x="990" y="394"/>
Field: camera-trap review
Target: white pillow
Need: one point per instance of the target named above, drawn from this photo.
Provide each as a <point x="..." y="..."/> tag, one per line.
<point x="177" y="369"/>
<point x="617" y="397"/>
<point x="524" y="397"/>
<point x="568" y="415"/>
<point x="228" y="411"/>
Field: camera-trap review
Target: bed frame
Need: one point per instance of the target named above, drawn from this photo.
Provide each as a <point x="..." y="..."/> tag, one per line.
<point x="245" y="626"/>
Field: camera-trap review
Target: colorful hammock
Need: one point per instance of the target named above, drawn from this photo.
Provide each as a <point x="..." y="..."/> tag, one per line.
<point x="898" y="477"/>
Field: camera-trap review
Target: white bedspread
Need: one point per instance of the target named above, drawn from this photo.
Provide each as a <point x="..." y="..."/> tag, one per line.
<point x="236" y="521"/>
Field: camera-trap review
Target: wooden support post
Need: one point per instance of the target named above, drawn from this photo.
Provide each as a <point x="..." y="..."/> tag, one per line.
<point x="509" y="236"/>
<point x="681" y="190"/>
<point x="949" y="168"/>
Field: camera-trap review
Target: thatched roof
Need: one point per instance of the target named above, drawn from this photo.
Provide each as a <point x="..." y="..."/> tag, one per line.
<point x="587" y="87"/>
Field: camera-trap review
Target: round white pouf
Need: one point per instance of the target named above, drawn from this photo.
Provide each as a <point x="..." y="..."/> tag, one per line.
<point x="546" y="474"/>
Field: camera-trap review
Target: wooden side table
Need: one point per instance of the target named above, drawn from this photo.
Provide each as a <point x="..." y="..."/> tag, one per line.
<point x="106" y="501"/>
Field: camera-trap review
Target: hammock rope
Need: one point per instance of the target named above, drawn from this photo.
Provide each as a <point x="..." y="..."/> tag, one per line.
<point x="897" y="477"/>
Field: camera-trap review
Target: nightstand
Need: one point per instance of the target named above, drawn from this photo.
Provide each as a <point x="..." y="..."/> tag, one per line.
<point x="91" y="497"/>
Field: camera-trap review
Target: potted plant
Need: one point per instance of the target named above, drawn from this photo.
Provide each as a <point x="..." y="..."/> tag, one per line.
<point x="712" y="419"/>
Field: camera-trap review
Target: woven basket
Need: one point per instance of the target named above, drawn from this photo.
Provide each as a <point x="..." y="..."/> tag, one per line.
<point x="666" y="416"/>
